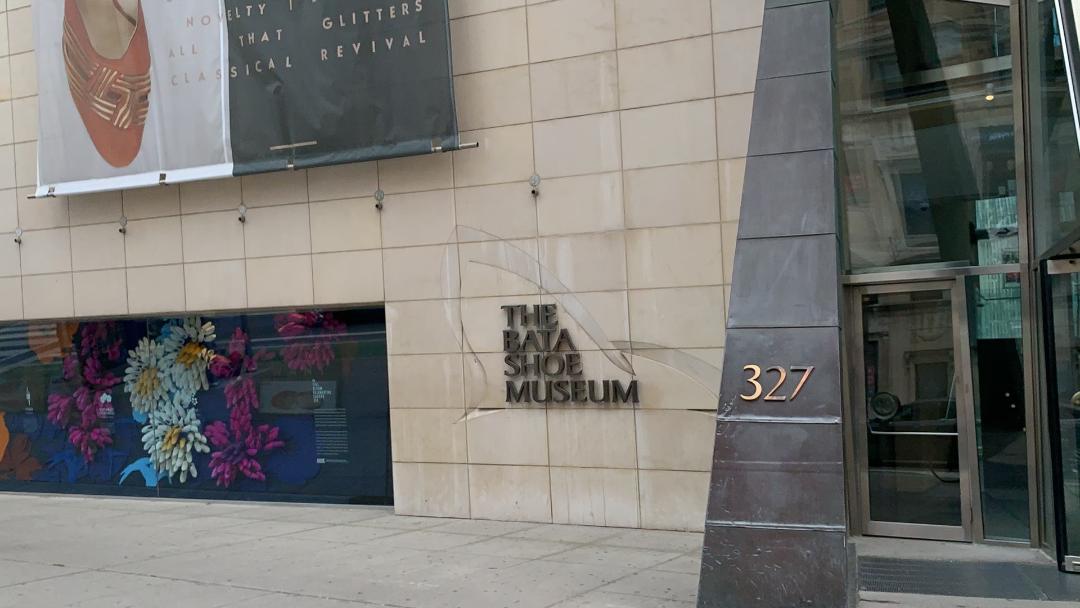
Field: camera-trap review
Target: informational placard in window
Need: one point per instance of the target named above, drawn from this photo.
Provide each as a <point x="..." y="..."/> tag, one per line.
<point x="316" y="398"/>
<point x="331" y="437"/>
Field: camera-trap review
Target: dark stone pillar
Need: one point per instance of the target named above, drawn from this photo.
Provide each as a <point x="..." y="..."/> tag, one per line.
<point x="776" y="534"/>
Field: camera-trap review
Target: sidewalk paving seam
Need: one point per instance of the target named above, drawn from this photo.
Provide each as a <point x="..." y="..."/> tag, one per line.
<point x="44" y="578"/>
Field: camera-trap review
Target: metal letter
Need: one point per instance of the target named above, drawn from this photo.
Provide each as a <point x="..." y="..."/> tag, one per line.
<point x="753" y="381"/>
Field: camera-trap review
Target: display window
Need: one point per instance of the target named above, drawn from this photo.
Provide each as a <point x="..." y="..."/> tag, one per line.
<point x="285" y="405"/>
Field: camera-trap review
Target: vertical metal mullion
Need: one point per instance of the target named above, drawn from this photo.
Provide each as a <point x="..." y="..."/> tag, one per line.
<point x="1029" y="315"/>
<point x="852" y="331"/>
<point x="1028" y="260"/>
<point x="1042" y="379"/>
<point x="1021" y="104"/>
<point x="859" y="422"/>
<point x="970" y="487"/>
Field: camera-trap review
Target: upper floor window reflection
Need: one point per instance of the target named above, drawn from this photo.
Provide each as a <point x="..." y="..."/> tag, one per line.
<point x="928" y="161"/>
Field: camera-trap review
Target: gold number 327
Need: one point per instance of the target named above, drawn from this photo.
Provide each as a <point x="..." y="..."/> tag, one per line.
<point x="755" y="382"/>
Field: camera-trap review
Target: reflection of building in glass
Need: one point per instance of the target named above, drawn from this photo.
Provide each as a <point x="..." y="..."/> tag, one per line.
<point x="927" y="131"/>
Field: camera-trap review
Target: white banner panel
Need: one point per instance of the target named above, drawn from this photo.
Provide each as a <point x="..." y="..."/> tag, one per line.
<point x="129" y="90"/>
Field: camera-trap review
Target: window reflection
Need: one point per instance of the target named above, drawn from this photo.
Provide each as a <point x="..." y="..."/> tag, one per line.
<point x="912" y="434"/>
<point x="997" y="370"/>
<point x="928" y="151"/>
<point x="1055" y="158"/>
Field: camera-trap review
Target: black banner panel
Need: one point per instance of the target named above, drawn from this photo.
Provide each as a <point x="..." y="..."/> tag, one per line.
<point x="334" y="81"/>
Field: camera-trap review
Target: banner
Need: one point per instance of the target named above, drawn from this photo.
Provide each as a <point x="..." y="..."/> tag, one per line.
<point x="142" y="92"/>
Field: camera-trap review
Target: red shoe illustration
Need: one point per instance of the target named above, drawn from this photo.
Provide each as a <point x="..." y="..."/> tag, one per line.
<point x="107" y="57"/>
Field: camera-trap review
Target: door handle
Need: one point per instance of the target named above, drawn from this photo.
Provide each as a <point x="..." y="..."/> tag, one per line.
<point x="914" y="433"/>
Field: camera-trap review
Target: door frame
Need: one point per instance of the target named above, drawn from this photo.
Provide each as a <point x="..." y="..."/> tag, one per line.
<point x="1049" y="269"/>
<point x="970" y="496"/>
<point x="1041" y="529"/>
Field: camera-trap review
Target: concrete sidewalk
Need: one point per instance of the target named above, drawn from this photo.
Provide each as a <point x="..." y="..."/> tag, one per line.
<point x="110" y="552"/>
<point x="97" y="552"/>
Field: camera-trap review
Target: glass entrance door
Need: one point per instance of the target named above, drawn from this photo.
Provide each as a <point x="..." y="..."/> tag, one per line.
<point x="1062" y="304"/>
<point x="913" y="426"/>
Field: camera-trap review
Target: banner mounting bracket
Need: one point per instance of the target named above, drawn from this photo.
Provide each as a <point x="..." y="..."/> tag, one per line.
<point x="50" y="194"/>
<point x="465" y="146"/>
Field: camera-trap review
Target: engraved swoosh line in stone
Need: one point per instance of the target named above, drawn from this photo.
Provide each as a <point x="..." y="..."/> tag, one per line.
<point x="452" y="289"/>
<point x="597" y="335"/>
<point x="450" y="273"/>
<point x="697" y="369"/>
<point x="576" y="310"/>
<point x="473" y="411"/>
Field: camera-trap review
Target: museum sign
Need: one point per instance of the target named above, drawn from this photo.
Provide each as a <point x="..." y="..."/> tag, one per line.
<point x="543" y="365"/>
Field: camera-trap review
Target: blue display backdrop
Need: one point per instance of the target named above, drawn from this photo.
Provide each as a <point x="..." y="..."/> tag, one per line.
<point x="291" y="405"/>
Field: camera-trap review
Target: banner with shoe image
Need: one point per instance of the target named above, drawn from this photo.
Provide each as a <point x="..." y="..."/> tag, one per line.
<point x="138" y="93"/>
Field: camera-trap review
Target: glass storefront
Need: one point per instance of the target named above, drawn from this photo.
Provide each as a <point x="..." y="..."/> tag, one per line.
<point x="964" y="429"/>
<point x="291" y="405"/>
<point x="932" y="225"/>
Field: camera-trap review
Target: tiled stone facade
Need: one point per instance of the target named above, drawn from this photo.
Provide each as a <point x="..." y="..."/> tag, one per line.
<point x="635" y="113"/>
